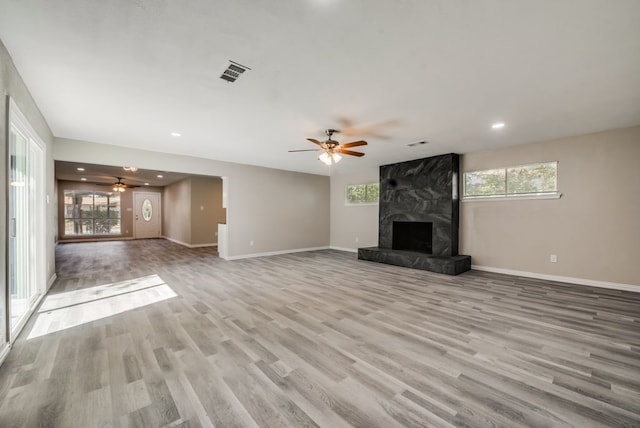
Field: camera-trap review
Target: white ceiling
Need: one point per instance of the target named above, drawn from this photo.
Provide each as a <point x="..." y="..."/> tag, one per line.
<point x="130" y="72"/>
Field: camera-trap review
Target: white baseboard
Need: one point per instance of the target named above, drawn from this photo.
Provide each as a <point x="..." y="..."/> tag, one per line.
<point x="351" y="250"/>
<point x="4" y="351"/>
<point x="184" y="244"/>
<point x="51" y="280"/>
<point x="274" y="253"/>
<point x="558" y="278"/>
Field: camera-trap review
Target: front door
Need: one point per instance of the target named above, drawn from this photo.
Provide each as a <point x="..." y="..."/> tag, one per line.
<point x="147" y="217"/>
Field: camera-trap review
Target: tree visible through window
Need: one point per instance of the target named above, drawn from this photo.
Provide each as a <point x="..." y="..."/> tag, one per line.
<point x="91" y="213"/>
<point x="363" y="193"/>
<point x="536" y="179"/>
<point x="540" y="178"/>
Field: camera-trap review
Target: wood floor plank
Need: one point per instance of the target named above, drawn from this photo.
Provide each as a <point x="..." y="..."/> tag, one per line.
<point x="148" y="333"/>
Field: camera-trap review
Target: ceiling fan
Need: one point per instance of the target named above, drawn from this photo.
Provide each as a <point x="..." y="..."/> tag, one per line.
<point x="118" y="186"/>
<point x="333" y="149"/>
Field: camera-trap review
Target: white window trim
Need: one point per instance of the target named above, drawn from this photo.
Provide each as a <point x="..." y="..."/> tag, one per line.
<point x="93" y="235"/>
<point x="360" y="204"/>
<point x="516" y="196"/>
<point x="556" y="195"/>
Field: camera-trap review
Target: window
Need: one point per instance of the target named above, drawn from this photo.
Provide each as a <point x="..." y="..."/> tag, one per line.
<point x="536" y="179"/>
<point x="91" y="213"/>
<point x="362" y="193"/>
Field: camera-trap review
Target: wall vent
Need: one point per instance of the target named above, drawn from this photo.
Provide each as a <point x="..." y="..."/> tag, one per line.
<point x="233" y="71"/>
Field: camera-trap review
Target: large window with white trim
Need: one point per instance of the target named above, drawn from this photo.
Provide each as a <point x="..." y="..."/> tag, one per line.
<point x="91" y="213"/>
<point x="540" y="179"/>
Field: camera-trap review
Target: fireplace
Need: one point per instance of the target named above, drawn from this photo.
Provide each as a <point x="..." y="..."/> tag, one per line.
<point x="418" y="216"/>
<point x="413" y="236"/>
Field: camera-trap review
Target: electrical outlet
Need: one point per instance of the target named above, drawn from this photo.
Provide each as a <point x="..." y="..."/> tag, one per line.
<point x="357" y="239"/>
<point x="251" y="243"/>
<point x="553" y="258"/>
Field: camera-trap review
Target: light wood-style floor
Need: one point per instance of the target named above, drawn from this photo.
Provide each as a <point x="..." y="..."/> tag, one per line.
<point x="151" y="334"/>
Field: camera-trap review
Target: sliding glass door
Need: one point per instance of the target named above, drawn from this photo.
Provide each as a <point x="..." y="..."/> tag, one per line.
<point x="26" y="218"/>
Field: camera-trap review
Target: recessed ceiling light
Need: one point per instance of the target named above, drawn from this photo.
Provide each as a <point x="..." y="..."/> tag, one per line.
<point x="83" y="179"/>
<point x="159" y="176"/>
<point x="146" y="184"/>
<point x="80" y="169"/>
<point x="498" y="125"/>
<point x="175" y="134"/>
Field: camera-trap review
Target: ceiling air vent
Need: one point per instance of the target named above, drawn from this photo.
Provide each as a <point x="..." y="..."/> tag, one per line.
<point x="233" y="71"/>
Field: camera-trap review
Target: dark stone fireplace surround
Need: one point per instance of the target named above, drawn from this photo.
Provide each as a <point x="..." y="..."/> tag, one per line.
<point x="422" y="191"/>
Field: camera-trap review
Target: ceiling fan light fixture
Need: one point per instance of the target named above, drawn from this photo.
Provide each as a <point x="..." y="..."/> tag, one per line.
<point x="329" y="158"/>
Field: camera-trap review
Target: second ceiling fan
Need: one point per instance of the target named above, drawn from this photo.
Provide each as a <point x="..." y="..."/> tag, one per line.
<point x="333" y="149"/>
<point x="118" y="186"/>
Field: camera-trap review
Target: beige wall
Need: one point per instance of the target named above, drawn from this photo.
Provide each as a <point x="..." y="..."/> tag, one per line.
<point x="351" y="222"/>
<point x="12" y="85"/>
<point x="192" y="210"/>
<point x="176" y="211"/>
<point x="206" y="210"/>
<point x="593" y="229"/>
<point x="277" y="210"/>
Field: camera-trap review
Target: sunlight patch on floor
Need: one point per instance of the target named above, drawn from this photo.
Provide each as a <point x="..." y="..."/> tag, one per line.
<point x="73" y="308"/>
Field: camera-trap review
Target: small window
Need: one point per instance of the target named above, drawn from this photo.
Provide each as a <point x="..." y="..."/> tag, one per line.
<point x="362" y="193"/>
<point x="525" y="180"/>
<point x="91" y="213"/>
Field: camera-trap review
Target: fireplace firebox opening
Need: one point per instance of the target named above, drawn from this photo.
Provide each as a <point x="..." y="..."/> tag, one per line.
<point x="413" y="236"/>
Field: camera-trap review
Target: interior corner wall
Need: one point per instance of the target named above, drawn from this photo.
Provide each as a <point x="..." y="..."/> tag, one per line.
<point x="12" y="85"/>
<point x="206" y="210"/>
<point x="593" y="228"/>
<point x="176" y="212"/>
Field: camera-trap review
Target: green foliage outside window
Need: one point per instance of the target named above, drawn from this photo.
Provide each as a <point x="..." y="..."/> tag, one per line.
<point x="537" y="179"/>
<point x="363" y="193"/>
<point x="91" y="213"/>
<point x="540" y="178"/>
<point x="485" y="183"/>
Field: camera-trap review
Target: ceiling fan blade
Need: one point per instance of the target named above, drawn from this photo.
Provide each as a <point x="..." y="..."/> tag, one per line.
<point x="354" y="144"/>
<point x="308" y="150"/>
<point x="373" y="130"/>
<point x="351" y="153"/>
<point x="314" y="141"/>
